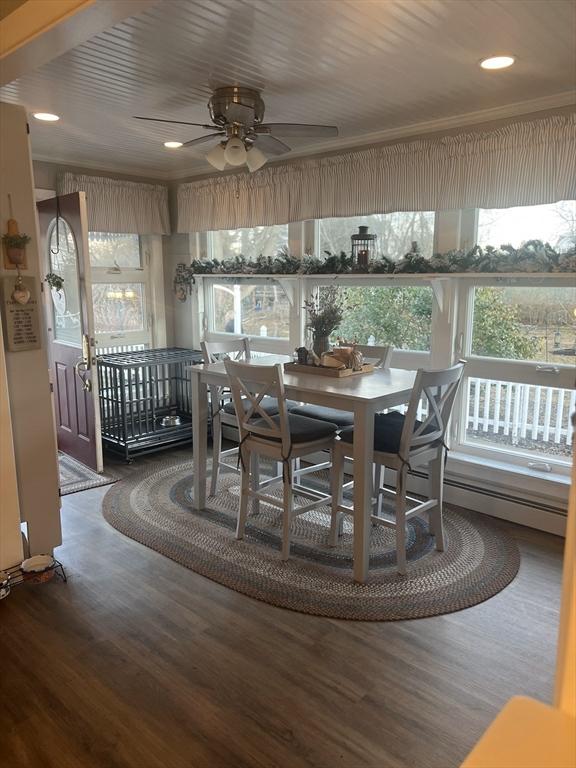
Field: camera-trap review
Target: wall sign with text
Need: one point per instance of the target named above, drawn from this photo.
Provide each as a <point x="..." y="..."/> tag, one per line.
<point x="21" y="309"/>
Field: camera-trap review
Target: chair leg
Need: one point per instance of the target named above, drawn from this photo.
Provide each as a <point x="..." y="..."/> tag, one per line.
<point x="337" y="480"/>
<point x="255" y="480"/>
<point x="244" y="493"/>
<point x="378" y="483"/>
<point x="287" y="512"/>
<point x="296" y="469"/>
<point x="401" y="520"/>
<point x="436" y="486"/>
<point x="216" y="450"/>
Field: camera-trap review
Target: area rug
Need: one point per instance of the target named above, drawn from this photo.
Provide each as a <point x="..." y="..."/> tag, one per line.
<point x="154" y="507"/>
<point x="75" y="477"/>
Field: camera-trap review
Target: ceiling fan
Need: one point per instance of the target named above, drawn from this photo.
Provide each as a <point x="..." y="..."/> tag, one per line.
<point x="237" y="115"/>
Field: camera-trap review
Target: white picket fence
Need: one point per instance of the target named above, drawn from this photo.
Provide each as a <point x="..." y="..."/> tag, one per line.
<point x="521" y="411"/>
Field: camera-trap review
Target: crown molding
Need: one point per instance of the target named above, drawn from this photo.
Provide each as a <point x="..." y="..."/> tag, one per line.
<point x="518" y="109"/>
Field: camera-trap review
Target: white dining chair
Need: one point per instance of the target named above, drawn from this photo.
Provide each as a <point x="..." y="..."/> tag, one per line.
<point x="282" y="437"/>
<point x="222" y="407"/>
<point x="401" y="442"/>
<point x="379" y="356"/>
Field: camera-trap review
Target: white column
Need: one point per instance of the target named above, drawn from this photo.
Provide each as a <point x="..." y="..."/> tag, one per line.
<point x="27" y="371"/>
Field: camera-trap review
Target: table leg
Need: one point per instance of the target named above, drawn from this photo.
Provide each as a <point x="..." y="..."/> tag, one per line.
<point x="199" y="438"/>
<point x="363" y="449"/>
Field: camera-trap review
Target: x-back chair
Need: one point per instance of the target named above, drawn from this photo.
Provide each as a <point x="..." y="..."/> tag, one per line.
<point x="282" y="437"/>
<point x="380" y="357"/>
<point x="401" y="442"/>
<point x="222" y="407"/>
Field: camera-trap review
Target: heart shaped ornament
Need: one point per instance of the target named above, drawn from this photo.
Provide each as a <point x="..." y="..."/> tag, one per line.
<point x="21" y="295"/>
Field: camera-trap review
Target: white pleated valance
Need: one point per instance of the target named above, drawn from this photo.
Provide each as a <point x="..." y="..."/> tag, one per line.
<point x="120" y="206"/>
<point x="523" y="163"/>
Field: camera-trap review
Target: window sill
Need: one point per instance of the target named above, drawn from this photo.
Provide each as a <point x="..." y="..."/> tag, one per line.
<point x="523" y="480"/>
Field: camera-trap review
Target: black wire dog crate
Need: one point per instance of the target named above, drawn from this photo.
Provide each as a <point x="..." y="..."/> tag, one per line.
<point x="145" y="399"/>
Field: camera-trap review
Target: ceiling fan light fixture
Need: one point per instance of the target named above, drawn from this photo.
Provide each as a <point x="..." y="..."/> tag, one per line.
<point x="235" y="152"/>
<point x="216" y="157"/>
<point x="255" y="159"/>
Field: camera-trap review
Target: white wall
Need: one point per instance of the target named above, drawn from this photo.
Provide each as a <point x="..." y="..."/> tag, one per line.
<point x="10" y="538"/>
<point x="27" y="372"/>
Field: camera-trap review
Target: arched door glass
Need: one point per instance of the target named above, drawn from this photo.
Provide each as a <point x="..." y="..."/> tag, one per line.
<point x="63" y="259"/>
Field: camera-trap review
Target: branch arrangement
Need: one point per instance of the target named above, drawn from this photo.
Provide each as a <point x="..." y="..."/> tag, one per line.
<point x="532" y="256"/>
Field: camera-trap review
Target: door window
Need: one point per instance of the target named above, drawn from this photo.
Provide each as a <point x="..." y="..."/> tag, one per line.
<point x="63" y="260"/>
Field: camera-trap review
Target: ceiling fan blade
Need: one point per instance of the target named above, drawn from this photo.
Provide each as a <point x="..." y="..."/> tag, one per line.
<point x="270" y="145"/>
<point x="178" y="122"/>
<point x="298" y="129"/>
<point x="202" y="139"/>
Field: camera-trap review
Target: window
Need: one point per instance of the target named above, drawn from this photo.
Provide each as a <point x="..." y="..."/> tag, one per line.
<point x="120" y="291"/>
<point x="554" y="223"/>
<point x="396" y="232"/>
<point x="528" y="323"/>
<point x="119" y="307"/>
<point x="519" y="417"/>
<point x="63" y="257"/>
<point x="114" y="250"/>
<point x="250" y="242"/>
<point x="257" y="308"/>
<point x="401" y="316"/>
<point x="519" y="393"/>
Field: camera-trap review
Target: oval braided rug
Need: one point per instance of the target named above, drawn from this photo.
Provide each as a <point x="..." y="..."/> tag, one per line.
<point x="154" y="507"/>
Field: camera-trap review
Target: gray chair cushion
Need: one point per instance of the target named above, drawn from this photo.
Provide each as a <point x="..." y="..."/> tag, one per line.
<point x="333" y="415"/>
<point x="302" y="429"/>
<point x="269" y="405"/>
<point x="387" y="431"/>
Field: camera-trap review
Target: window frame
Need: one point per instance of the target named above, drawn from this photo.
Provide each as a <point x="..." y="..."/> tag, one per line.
<point x="408" y="359"/>
<point x="127" y="340"/>
<point x="270" y="344"/>
<point x="532" y="373"/>
<point x="451" y="325"/>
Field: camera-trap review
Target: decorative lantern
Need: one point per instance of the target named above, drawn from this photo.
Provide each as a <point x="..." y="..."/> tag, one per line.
<point x="363" y="247"/>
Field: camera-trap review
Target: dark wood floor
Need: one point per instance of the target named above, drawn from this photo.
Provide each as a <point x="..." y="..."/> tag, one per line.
<point x="138" y="662"/>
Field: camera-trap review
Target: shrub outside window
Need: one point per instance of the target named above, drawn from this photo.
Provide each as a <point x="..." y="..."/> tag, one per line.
<point x="401" y="316"/>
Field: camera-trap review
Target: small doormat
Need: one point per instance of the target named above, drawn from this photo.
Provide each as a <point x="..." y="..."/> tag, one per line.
<point x="154" y="507"/>
<point x="75" y="477"/>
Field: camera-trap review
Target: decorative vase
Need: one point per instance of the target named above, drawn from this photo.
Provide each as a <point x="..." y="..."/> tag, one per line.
<point x="15" y="255"/>
<point x="321" y="344"/>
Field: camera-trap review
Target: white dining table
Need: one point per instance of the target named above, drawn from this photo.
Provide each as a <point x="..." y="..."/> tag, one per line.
<point x="364" y="395"/>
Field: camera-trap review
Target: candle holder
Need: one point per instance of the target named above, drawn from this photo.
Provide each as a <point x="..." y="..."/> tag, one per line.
<point x="363" y="247"/>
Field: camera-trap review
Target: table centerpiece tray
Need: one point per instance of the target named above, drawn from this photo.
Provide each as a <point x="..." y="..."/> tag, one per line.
<point x="324" y="370"/>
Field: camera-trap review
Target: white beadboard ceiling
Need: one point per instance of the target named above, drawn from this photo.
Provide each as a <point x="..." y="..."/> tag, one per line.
<point x="368" y="66"/>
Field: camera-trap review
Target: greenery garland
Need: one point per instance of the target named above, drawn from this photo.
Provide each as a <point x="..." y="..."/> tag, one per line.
<point x="532" y="256"/>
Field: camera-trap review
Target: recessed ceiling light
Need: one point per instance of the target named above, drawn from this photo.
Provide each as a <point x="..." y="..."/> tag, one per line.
<point x="48" y="117"/>
<point x="172" y="144"/>
<point x="497" y="62"/>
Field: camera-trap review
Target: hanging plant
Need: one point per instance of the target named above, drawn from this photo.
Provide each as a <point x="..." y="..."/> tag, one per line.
<point x="55" y="282"/>
<point x="15" y="244"/>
